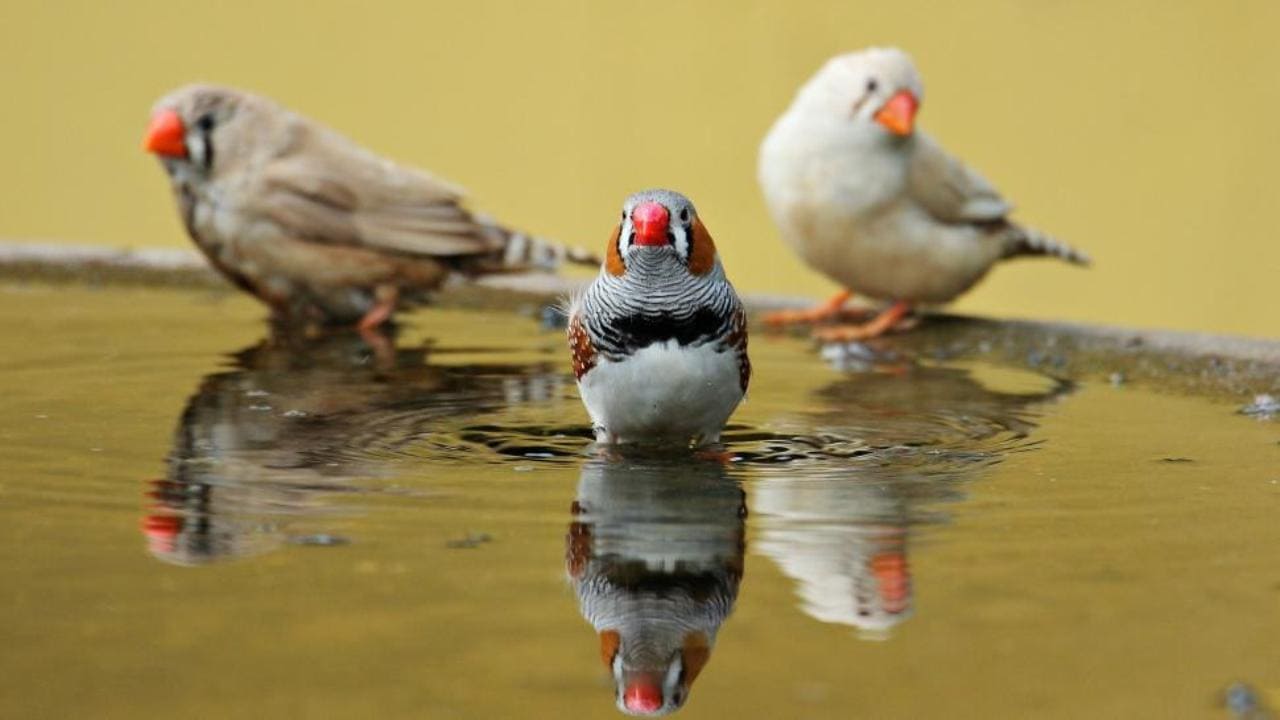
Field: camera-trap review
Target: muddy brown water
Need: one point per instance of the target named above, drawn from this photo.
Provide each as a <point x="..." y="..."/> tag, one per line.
<point x="199" y="520"/>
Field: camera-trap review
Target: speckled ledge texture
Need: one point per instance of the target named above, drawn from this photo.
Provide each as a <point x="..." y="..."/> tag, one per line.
<point x="1182" y="362"/>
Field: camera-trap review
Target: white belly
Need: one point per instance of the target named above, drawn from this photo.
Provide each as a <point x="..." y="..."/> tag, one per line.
<point x="662" y="392"/>
<point x="900" y="253"/>
<point x="843" y="207"/>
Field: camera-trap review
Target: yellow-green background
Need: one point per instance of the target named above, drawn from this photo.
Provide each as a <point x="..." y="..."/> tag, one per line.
<point x="1147" y="133"/>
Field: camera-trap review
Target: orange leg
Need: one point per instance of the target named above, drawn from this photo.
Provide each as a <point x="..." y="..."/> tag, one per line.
<point x="381" y="310"/>
<point x="823" y="311"/>
<point x="372" y="331"/>
<point x="716" y="455"/>
<point x="881" y="324"/>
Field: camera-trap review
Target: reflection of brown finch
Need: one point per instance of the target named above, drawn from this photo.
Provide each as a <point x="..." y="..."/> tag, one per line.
<point x="311" y="224"/>
<point x="659" y="339"/>
<point x="876" y="205"/>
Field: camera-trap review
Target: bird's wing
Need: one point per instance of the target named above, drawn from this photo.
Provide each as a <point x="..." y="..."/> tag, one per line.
<point x="949" y="190"/>
<point x="584" y="353"/>
<point x="325" y="189"/>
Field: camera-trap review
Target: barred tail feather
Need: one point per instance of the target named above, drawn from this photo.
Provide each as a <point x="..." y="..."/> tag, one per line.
<point x="1031" y="242"/>
<point x="520" y="251"/>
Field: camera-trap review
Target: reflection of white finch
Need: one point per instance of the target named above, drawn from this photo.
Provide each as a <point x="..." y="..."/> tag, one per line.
<point x="311" y="224"/>
<point x="875" y="205"/>
<point x="659" y="339"/>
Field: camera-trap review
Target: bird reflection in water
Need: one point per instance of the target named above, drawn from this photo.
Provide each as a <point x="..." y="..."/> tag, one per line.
<point x="655" y="554"/>
<point x="840" y="527"/>
<point x="296" y="421"/>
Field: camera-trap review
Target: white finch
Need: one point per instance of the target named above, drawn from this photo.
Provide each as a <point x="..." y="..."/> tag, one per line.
<point x="659" y="339"/>
<point x="313" y="225"/>
<point x="876" y="205"/>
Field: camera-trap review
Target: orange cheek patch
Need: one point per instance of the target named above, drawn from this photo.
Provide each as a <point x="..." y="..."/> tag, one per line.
<point x="695" y="653"/>
<point x="612" y="260"/>
<point x="703" y="257"/>
<point x="610" y="640"/>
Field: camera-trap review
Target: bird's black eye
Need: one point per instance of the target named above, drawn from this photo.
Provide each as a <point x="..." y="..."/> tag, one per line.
<point x="684" y="215"/>
<point x="205" y="122"/>
<point x="872" y="85"/>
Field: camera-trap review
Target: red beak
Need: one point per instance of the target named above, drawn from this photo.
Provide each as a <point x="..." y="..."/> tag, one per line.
<point x="899" y="114"/>
<point x="162" y="532"/>
<point x="650" y="220"/>
<point x="165" y="135"/>
<point x="642" y="695"/>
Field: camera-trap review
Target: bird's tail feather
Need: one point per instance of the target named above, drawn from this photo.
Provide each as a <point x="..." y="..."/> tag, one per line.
<point x="520" y="251"/>
<point x="1031" y="242"/>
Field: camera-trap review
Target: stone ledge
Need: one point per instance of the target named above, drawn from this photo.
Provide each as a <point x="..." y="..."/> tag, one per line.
<point x="1193" y="362"/>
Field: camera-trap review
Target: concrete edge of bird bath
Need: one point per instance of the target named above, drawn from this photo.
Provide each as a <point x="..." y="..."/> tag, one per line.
<point x="1199" y="363"/>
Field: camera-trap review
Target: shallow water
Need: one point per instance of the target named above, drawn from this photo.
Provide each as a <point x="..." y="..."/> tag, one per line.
<point x="198" y="520"/>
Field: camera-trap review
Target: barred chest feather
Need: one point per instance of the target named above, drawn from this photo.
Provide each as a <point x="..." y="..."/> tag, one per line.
<point x="669" y="389"/>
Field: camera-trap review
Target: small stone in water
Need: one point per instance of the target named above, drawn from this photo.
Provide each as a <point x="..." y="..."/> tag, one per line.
<point x="553" y="317"/>
<point x="854" y="356"/>
<point x="1263" y="407"/>
<point x="295" y="413"/>
<point x="321" y="540"/>
<point x="1243" y="703"/>
<point x="256" y="393"/>
<point x="472" y="540"/>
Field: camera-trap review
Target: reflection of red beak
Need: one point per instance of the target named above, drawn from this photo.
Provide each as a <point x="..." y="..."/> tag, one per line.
<point x="643" y="693"/>
<point x="650" y="220"/>
<point x="162" y="532"/>
<point x="165" y="135"/>
<point x="894" y="580"/>
<point x="898" y="115"/>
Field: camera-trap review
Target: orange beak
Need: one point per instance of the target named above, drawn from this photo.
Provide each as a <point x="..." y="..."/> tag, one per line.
<point x="890" y="569"/>
<point x="899" y="114"/>
<point x="165" y="135"/>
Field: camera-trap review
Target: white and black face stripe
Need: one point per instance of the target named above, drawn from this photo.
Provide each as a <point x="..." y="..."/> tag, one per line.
<point x="626" y="234"/>
<point x="673" y="685"/>
<point x="679" y="234"/>
<point x="200" y="142"/>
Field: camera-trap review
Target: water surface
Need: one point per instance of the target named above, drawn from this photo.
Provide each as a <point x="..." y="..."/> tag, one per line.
<point x="199" y="519"/>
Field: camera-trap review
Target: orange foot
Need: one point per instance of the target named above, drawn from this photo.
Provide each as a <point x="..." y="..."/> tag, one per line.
<point x="891" y="318"/>
<point x="823" y="311"/>
<point x="381" y="310"/>
<point x="715" y="455"/>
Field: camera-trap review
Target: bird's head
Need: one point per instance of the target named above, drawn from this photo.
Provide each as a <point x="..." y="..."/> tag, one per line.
<point x="647" y="682"/>
<point x="660" y="231"/>
<point x="877" y="90"/>
<point x="196" y="129"/>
